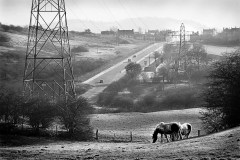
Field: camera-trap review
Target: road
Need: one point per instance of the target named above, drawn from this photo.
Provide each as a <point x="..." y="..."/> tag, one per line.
<point x="117" y="71"/>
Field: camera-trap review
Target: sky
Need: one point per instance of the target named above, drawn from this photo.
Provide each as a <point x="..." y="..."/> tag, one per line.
<point x="211" y="13"/>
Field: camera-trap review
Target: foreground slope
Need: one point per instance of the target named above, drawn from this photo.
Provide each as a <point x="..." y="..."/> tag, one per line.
<point x="223" y="145"/>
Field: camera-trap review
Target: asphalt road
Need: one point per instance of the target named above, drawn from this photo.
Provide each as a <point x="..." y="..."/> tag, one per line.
<point x="117" y="71"/>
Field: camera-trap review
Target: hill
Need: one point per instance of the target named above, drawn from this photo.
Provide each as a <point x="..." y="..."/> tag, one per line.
<point x="100" y="53"/>
<point x="223" y="145"/>
<point x="145" y="23"/>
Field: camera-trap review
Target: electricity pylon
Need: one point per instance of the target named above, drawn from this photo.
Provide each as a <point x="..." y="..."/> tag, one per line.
<point x="48" y="64"/>
<point x="182" y="48"/>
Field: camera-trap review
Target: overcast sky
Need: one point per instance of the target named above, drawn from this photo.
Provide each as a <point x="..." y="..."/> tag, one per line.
<point x="212" y="13"/>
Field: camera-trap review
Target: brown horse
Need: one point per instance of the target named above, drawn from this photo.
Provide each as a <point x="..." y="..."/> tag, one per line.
<point x="172" y="128"/>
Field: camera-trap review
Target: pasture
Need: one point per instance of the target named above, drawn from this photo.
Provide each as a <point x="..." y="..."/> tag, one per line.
<point x="141" y="125"/>
<point x="223" y="145"/>
<point x="219" y="50"/>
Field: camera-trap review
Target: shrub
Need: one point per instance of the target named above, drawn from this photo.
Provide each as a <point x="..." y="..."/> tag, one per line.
<point x="123" y="41"/>
<point x="146" y="104"/>
<point x="79" y="49"/>
<point x="74" y="116"/>
<point x="84" y="66"/>
<point x="222" y="98"/>
<point x="10" y="105"/>
<point x="40" y="113"/>
<point x="105" y="98"/>
<point x="123" y="103"/>
<point x="4" y="39"/>
<point x="182" y="99"/>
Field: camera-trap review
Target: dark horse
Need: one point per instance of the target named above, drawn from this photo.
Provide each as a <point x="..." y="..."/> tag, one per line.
<point x="172" y="128"/>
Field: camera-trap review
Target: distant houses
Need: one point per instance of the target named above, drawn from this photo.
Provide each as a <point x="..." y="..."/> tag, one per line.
<point x="125" y="33"/>
<point x="209" y="32"/>
<point x="107" y="33"/>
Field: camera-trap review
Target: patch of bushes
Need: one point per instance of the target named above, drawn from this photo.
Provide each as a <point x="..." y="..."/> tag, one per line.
<point x="4" y="39"/>
<point x="12" y="28"/>
<point x="123" y="102"/>
<point x="74" y="116"/>
<point x="84" y="66"/>
<point x="107" y="96"/>
<point x="123" y="41"/>
<point x="184" y="99"/>
<point x="36" y="116"/>
<point x="79" y="49"/>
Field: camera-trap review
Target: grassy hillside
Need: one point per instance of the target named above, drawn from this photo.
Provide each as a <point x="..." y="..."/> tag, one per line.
<point x="220" y="146"/>
<point x="91" y="53"/>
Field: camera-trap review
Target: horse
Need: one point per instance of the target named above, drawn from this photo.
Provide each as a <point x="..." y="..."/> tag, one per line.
<point x="185" y="129"/>
<point x="172" y="128"/>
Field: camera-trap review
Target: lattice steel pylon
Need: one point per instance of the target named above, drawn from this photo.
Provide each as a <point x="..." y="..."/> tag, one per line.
<point x="48" y="64"/>
<point x="182" y="49"/>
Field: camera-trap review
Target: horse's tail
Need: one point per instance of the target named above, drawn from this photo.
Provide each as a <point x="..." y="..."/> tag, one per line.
<point x="189" y="128"/>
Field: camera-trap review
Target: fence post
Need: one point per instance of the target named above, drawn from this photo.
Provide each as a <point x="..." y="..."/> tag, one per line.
<point x="130" y="136"/>
<point x="97" y="134"/>
<point x="56" y="130"/>
<point x="199" y="133"/>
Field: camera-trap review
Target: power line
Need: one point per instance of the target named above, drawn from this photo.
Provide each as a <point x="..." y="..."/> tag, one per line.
<point x="105" y="6"/>
<point x="127" y="13"/>
<point x="96" y="27"/>
<point x="138" y="17"/>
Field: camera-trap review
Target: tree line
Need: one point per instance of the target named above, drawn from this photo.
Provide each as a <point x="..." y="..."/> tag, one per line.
<point x="17" y="115"/>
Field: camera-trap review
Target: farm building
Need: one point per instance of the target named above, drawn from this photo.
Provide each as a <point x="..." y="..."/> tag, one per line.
<point x="209" y="32"/>
<point x="125" y="33"/>
<point x="107" y="33"/>
<point x="194" y="36"/>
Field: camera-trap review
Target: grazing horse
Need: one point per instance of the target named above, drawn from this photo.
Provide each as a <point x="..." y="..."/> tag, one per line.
<point x="172" y="128"/>
<point x="185" y="129"/>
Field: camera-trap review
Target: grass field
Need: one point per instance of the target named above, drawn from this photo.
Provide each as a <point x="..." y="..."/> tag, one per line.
<point x="141" y="125"/>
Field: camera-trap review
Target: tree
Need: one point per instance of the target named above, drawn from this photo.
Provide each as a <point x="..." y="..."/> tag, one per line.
<point x="74" y="116"/>
<point x="222" y="98"/>
<point x="40" y="113"/>
<point x="196" y="55"/>
<point x="10" y="105"/>
<point x="133" y="69"/>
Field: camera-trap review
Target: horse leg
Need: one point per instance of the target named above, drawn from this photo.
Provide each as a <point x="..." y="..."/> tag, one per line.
<point x="180" y="135"/>
<point x="161" y="138"/>
<point x="166" y="137"/>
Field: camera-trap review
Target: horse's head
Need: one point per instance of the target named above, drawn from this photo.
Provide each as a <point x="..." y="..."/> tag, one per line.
<point x="154" y="136"/>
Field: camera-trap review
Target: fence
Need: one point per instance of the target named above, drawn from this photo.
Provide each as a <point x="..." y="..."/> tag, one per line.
<point x="119" y="136"/>
<point x="127" y="136"/>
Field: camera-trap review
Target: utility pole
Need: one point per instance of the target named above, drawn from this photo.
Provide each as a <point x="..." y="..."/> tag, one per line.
<point x="117" y="37"/>
<point x="48" y="63"/>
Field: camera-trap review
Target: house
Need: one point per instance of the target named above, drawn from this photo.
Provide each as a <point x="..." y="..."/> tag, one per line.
<point x="125" y="33"/>
<point x="209" y="32"/>
<point x="153" y="32"/>
<point x="107" y="33"/>
<point x="194" y="36"/>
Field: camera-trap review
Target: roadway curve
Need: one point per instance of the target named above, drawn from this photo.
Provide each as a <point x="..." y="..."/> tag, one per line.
<point x="117" y="71"/>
